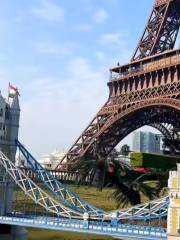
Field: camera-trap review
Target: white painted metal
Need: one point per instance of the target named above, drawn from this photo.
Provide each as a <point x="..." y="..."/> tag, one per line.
<point x="154" y="209"/>
<point x="35" y="192"/>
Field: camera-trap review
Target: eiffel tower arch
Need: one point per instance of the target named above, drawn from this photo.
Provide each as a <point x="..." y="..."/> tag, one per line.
<point x="145" y="91"/>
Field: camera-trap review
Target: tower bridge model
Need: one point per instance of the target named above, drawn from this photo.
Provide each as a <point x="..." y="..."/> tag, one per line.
<point x="146" y="90"/>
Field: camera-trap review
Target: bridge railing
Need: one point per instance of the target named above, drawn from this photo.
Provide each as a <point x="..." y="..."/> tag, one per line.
<point x="63" y="176"/>
<point x="146" y="66"/>
<point x="132" y="231"/>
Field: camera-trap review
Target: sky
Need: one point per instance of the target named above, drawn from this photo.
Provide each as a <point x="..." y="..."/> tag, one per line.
<point x="58" y="53"/>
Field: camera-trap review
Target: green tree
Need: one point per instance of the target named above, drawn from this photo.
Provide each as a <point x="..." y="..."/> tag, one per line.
<point x="129" y="185"/>
<point x="125" y="149"/>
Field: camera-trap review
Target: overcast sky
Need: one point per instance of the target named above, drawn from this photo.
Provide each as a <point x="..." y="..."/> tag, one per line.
<point x="58" y="52"/>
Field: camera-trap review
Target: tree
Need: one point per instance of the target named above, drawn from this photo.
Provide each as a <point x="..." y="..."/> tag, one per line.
<point x="125" y="149"/>
<point x="129" y="185"/>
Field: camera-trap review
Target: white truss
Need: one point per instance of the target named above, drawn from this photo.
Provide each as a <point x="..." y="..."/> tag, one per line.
<point x="155" y="209"/>
<point x="63" y="194"/>
<point x="59" y="190"/>
<point x="151" y="210"/>
<point x="38" y="196"/>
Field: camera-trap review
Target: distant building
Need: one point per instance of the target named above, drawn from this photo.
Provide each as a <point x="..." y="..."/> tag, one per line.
<point x="146" y="142"/>
<point x="50" y="161"/>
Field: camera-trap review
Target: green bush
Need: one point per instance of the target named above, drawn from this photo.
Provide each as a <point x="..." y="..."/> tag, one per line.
<point x="149" y="160"/>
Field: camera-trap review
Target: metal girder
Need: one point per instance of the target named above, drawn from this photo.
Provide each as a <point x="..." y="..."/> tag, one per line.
<point x="121" y="103"/>
<point x="162" y="128"/>
<point x="171" y="136"/>
<point x="59" y="190"/>
<point x="116" y="114"/>
<point x="161" y="31"/>
<point x="122" y="231"/>
<point x="167" y="90"/>
<point x="138" y="83"/>
<point x="140" y="118"/>
<point x="36" y="193"/>
<point x="157" y="208"/>
<point x="154" y="210"/>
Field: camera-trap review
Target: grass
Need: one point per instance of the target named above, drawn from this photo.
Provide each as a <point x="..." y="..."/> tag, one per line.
<point x="101" y="199"/>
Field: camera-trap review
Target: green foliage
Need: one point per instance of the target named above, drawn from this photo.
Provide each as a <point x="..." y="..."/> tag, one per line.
<point x="125" y="149"/>
<point x="149" y="160"/>
<point x="129" y="185"/>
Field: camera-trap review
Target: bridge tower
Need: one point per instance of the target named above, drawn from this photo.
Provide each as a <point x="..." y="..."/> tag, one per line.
<point x="173" y="221"/>
<point x="9" y="125"/>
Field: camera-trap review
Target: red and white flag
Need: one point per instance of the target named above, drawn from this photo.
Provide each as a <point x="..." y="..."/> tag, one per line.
<point x="13" y="90"/>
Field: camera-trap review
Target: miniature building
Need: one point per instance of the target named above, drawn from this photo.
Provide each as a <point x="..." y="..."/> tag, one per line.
<point x="50" y="161"/>
<point x="9" y="126"/>
<point x="173" y="220"/>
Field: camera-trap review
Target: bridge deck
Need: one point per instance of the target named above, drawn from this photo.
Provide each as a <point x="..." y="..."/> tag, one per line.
<point x="100" y="228"/>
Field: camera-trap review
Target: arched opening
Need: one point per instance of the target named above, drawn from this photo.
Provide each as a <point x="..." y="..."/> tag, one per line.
<point x="153" y="115"/>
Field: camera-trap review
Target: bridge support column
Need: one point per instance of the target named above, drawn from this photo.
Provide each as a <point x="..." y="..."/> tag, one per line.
<point x="6" y="197"/>
<point x="10" y="120"/>
<point x="173" y="221"/>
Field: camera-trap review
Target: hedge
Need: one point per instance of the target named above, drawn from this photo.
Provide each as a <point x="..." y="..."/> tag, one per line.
<point x="149" y="160"/>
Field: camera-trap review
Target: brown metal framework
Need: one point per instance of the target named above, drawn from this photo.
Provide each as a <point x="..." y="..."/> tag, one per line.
<point x="144" y="92"/>
<point x="161" y="30"/>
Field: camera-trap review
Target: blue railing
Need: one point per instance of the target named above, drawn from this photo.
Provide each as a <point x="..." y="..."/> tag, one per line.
<point x="97" y="227"/>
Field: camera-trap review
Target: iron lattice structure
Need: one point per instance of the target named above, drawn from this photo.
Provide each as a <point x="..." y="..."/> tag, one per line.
<point x="34" y="192"/>
<point x="60" y="191"/>
<point x="161" y="30"/>
<point x="156" y="209"/>
<point x="146" y="91"/>
<point x="47" y="200"/>
<point x="59" y="217"/>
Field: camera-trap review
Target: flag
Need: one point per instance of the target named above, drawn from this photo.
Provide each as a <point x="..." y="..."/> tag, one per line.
<point x="13" y="91"/>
